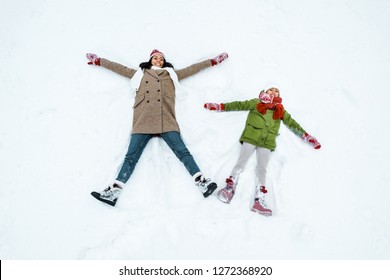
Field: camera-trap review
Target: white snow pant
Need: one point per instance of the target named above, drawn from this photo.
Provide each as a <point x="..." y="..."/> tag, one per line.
<point x="262" y="155"/>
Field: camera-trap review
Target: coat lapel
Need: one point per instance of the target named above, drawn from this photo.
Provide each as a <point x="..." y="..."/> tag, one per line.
<point x="152" y="73"/>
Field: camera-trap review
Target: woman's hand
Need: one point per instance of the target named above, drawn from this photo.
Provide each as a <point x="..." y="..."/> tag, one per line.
<point x="219" y="58"/>
<point x="93" y="59"/>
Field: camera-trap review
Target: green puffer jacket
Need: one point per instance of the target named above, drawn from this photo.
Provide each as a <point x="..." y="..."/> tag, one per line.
<point x="261" y="130"/>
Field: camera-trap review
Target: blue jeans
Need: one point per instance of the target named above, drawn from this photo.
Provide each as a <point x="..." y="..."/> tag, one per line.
<point x="138" y="143"/>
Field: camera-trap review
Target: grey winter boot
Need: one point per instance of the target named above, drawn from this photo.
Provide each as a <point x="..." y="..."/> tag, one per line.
<point x="226" y="194"/>
<point x="110" y="194"/>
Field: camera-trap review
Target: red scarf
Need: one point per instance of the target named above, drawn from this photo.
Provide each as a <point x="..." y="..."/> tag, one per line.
<point x="276" y="105"/>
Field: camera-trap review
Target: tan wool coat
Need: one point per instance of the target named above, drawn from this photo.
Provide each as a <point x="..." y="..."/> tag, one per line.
<point x="154" y="106"/>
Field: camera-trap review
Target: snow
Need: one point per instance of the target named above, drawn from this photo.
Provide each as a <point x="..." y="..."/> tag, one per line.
<point x="65" y="129"/>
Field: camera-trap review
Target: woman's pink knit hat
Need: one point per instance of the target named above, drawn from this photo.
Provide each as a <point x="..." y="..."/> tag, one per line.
<point x="155" y="51"/>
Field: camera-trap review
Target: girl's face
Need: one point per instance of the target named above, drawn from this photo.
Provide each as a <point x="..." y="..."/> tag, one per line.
<point x="273" y="91"/>
<point x="158" y="61"/>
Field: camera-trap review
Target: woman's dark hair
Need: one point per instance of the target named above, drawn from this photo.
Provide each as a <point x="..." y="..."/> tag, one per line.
<point x="148" y="64"/>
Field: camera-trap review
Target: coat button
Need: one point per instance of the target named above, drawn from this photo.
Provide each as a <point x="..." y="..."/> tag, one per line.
<point x="146" y="82"/>
<point x="158" y="90"/>
<point x="158" y="100"/>
<point x="147" y="91"/>
<point x="147" y="101"/>
<point x="158" y="81"/>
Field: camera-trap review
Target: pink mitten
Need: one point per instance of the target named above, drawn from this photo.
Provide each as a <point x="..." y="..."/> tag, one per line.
<point x="311" y="140"/>
<point x="215" y="107"/>
<point x="219" y="58"/>
<point x="93" y="59"/>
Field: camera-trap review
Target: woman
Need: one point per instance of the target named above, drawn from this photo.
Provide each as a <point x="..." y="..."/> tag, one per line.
<point x="261" y="128"/>
<point x="155" y="84"/>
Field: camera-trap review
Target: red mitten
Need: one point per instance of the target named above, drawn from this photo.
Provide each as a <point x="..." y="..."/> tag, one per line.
<point x="215" y="107"/>
<point x="312" y="140"/>
<point x="219" y="58"/>
<point x="93" y="59"/>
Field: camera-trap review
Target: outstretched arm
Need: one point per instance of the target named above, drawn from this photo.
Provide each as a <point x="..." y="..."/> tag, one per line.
<point x="242" y="105"/>
<point x="232" y="106"/>
<point x="193" y="69"/>
<point x="197" y="67"/>
<point x="113" y="66"/>
<point x="294" y="126"/>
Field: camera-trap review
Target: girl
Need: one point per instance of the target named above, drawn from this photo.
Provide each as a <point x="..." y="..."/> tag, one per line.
<point x="155" y="84"/>
<point x="261" y="128"/>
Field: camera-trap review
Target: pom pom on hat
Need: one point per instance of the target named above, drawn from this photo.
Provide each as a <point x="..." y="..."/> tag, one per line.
<point x="155" y="52"/>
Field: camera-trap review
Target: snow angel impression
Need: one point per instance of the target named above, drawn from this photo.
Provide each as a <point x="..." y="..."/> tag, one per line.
<point x="154" y="115"/>
<point x="259" y="136"/>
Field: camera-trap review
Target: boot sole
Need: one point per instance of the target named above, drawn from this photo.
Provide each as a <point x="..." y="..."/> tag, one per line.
<point x="262" y="213"/>
<point x="211" y="188"/>
<point x="109" y="202"/>
<point x="223" y="198"/>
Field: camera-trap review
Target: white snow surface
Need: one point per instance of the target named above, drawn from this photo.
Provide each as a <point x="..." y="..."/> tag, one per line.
<point x="65" y="127"/>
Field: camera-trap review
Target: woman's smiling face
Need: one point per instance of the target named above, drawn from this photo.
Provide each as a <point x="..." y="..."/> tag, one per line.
<point x="158" y="60"/>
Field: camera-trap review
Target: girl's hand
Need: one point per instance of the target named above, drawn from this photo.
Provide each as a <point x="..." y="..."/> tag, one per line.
<point x="311" y="140"/>
<point x="93" y="59"/>
<point x="215" y="107"/>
